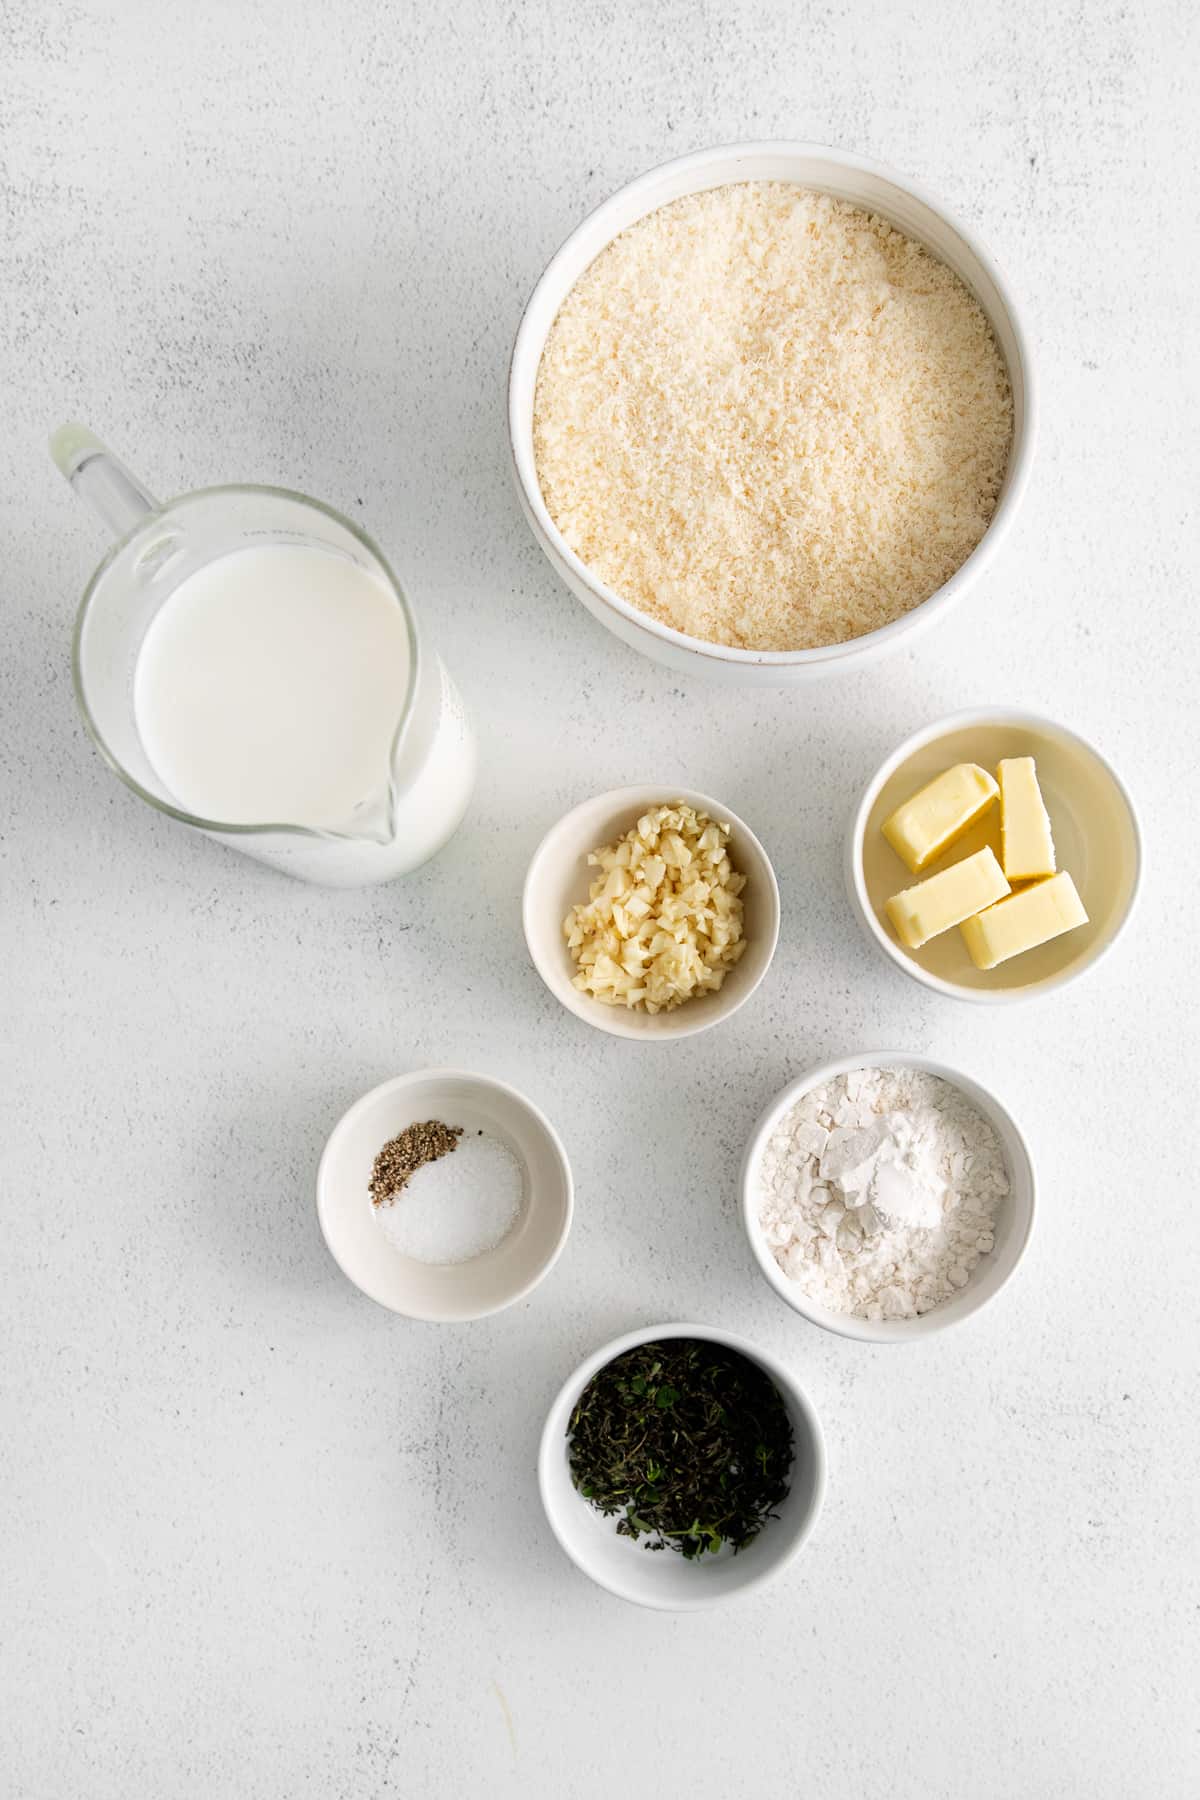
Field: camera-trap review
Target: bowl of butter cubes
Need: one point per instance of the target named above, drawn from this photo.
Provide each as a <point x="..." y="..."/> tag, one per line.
<point x="995" y="856"/>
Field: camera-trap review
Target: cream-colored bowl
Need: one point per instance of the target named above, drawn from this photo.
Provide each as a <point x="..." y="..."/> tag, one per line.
<point x="869" y="184"/>
<point x="1096" y="838"/>
<point x="662" y="1578"/>
<point x="1014" y="1216"/>
<point x="559" y="877"/>
<point x="453" y="1292"/>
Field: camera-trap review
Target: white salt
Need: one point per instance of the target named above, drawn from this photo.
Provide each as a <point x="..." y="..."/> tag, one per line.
<point x="460" y="1206"/>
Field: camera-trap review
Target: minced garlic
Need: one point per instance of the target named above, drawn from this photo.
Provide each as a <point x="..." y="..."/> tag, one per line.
<point x="768" y="419"/>
<point x="663" y="921"/>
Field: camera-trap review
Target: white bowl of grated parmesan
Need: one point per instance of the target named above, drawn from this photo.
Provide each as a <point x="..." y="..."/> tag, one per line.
<point x="740" y="453"/>
<point x="887" y="1196"/>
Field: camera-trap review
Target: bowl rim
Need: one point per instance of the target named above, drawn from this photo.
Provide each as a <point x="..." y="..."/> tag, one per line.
<point x="883" y="1332"/>
<point x="895" y="953"/>
<point x="528" y="346"/>
<point x="798" y="1403"/>
<point x="612" y="1019"/>
<point x="397" y="1084"/>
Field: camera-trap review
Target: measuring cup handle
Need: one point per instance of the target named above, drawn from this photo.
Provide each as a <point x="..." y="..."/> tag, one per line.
<point x="100" y="478"/>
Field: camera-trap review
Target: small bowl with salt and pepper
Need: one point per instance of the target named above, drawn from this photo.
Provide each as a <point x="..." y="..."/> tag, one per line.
<point x="886" y="1196"/>
<point x="444" y="1195"/>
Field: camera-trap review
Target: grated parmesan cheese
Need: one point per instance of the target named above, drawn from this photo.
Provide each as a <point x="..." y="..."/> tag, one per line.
<point x="769" y="419"/>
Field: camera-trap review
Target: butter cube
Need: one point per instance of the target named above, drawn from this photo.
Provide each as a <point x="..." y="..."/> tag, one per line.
<point x="1023" y="921"/>
<point x="1027" y="843"/>
<point x="947" y="898"/>
<point x="938" y="814"/>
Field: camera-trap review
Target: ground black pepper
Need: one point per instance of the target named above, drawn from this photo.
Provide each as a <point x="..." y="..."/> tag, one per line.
<point x="402" y="1156"/>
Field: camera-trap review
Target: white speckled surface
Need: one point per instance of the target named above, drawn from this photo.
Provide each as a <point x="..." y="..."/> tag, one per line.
<point x="261" y="1538"/>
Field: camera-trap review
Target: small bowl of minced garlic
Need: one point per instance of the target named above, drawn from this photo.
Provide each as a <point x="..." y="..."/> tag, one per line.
<point x="651" y="912"/>
<point x="995" y="856"/>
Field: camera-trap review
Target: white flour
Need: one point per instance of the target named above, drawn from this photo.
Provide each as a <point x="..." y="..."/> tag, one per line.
<point x="878" y="1192"/>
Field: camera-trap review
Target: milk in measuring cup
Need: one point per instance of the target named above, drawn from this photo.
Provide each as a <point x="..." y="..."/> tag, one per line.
<point x="268" y="689"/>
<point x="245" y="660"/>
<point x="270" y="685"/>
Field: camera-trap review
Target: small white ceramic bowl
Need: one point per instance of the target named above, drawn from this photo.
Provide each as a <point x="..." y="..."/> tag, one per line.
<point x="661" y="1578"/>
<point x="1014" y="1217"/>
<point x="559" y="877"/>
<point x="453" y="1292"/>
<point x="1096" y="837"/>
<point x="869" y="184"/>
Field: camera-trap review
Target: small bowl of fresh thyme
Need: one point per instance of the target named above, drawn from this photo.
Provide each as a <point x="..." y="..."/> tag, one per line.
<point x="680" y="1466"/>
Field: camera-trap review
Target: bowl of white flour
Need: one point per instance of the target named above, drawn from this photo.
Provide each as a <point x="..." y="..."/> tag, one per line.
<point x="886" y="1196"/>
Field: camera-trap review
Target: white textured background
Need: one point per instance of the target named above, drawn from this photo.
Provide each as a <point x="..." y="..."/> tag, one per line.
<point x="261" y="1539"/>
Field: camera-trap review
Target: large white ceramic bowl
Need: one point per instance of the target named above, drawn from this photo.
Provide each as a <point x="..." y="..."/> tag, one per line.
<point x="1014" y="1218"/>
<point x="846" y="177"/>
<point x="448" y="1293"/>
<point x="1096" y="838"/>
<point x="559" y="876"/>
<point x="662" y="1578"/>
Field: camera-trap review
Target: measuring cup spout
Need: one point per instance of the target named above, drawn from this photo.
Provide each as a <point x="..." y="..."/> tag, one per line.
<point x="375" y="821"/>
<point x="100" y="478"/>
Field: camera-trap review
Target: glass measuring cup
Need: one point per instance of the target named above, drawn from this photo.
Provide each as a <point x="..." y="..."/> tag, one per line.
<point x="424" y="789"/>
